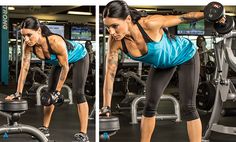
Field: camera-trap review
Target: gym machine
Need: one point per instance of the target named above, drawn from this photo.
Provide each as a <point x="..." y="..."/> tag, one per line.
<point x="225" y="89"/>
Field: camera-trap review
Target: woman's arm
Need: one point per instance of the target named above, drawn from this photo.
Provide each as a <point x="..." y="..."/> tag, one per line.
<point x="111" y="67"/>
<point x="191" y="17"/>
<point x="159" y="21"/>
<point x="25" y="64"/>
<point x="59" y="47"/>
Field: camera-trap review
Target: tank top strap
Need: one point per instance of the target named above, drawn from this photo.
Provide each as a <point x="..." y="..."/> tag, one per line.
<point x="34" y="51"/>
<point x="144" y="34"/>
<point x="49" y="46"/>
<point x="124" y="48"/>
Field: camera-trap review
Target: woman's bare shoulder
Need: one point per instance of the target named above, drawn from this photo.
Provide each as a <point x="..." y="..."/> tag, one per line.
<point x="114" y="44"/>
<point x="55" y="39"/>
<point x="151" y="22"/>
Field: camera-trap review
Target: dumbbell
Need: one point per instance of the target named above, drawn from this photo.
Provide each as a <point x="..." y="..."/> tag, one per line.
<point x="55" y="98"/>
<point x="214" y="12"/>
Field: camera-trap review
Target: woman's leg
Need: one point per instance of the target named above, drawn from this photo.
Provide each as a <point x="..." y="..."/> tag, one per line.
<point x="80" y="72"/>
<point x="47" y="111"/>
<point x="188" y="84"/>
<point x="157" y="81"/>
<point x="194" y="128"/>
<point x="52" y="82"/>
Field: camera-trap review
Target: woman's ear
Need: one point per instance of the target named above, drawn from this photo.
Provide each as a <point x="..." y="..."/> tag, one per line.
<point x="128" y="19"/>
<point x="39" y="31"/>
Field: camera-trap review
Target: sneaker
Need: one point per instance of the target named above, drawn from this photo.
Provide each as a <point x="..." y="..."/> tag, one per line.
<point x="81" y="137"/>
<point x="44" y="130"/>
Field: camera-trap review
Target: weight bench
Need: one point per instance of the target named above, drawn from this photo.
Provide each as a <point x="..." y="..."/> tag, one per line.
<point x="176" y="116"/>
<point x="13" y="110"/>
<point x="108" y="126"/>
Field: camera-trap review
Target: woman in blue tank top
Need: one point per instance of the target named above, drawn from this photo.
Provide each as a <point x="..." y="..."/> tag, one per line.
<point x="59" y="52"/>
<point x="145" y="38"/>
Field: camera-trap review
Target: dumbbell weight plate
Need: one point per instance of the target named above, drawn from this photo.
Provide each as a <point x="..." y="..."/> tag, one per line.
<point x="60" y="100"/>
<point x="108" y="124"/>
<point x="225" y="28"/>
<point x="46" y="99"/>
<point x="13" y="105"/>
<point x="205" y="96"/>
<point x="210" y="67"/>
<point x="214" y="11"/>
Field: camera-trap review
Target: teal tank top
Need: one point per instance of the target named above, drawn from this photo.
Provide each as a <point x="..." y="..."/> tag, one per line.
<point x="166" y="53"/>
<point x="78" y="52"/>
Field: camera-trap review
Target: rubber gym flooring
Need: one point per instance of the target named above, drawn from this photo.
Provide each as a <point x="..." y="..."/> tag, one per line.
<point x="165" y="130"/>
<point x="64" y="124"/>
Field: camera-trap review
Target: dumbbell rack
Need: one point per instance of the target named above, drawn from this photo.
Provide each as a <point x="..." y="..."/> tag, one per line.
<point x="225" y="89"/>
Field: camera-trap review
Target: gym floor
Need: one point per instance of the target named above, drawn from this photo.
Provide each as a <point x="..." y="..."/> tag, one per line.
<point x="64" y="124"/>
<point x="165" y="130"/>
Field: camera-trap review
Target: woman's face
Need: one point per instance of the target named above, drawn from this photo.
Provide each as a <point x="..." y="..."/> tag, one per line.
<point x="116" y="27"/>
<point x="31" y="37"/>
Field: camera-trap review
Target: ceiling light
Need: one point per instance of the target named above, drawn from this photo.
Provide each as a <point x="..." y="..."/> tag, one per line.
<point x="79" y="13"/>
<point x="230" y="14"/>
<point x="146" y="9"/>
<point x="11" y="8"/>
<point x="48" y="21"/>
<point x="51" y="21"/>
